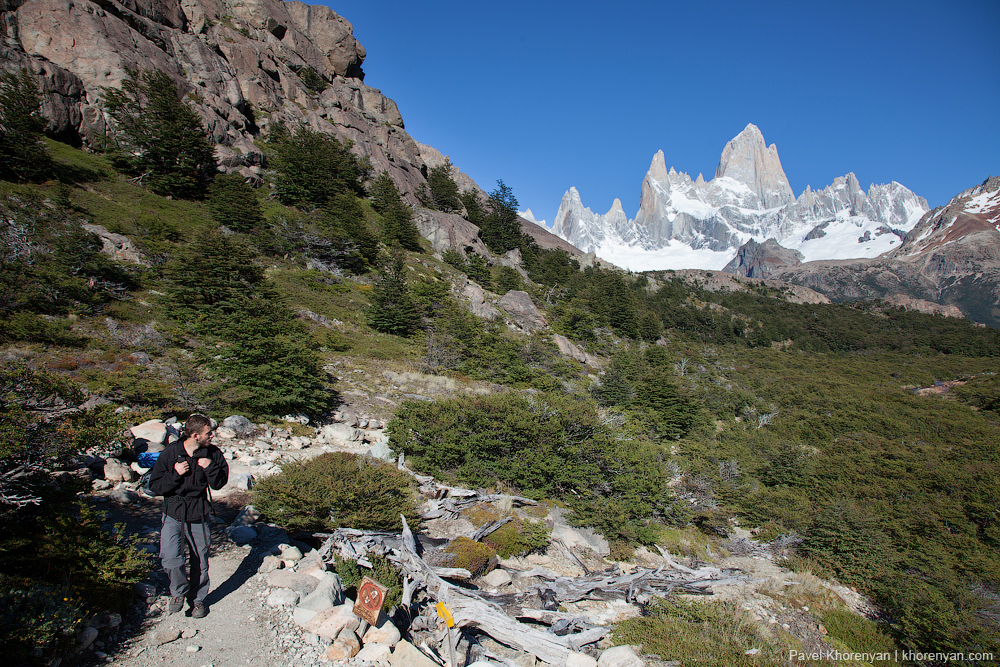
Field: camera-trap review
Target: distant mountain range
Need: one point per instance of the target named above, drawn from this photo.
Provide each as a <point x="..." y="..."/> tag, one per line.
<point x="684" y="223"/>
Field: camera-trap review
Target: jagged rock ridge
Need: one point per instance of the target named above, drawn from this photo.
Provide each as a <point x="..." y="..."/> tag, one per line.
<point x="749" y="198"/>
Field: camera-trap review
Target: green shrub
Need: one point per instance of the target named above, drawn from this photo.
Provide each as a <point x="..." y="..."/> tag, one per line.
<point x="475" y="557"/>
<point x="383" y="571"/>
<point x="547" y="445"/>
<point x="858" y="634"/>
<point x="336" y="490"/>
<point x="698" y="633"/>
<point x="37" y="621"/>
<point x="517" y="537"/>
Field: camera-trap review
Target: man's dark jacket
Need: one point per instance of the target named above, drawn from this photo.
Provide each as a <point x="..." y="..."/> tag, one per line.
<point x="185" y="497"/>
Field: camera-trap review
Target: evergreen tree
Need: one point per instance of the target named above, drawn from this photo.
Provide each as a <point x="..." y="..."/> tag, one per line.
<point x="444" y="190"/>
<point x="392" y="309"/>
<point x="397" y="216"/>
<point x="22" y="153"/>
<point x="234" y="203"/>
<point x="161" y="139"/>
<point x="312" y="167"/>
<point x="501" y="226"/>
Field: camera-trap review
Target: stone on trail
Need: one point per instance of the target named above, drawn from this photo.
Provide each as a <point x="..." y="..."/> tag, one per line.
<point x="282" y="597"/>
<point x="240" y="425"/>
<point x="333" y="622"/>
<point x="86" y="637"/>
<point x="270" y="564"/>
<point x="302" y="583"/>
<point x="241" y="534"/>
<point x="619" y="656"/>
<point x="344" y="647"/>
<point x="164" y="636"/>
<point x="288" y="552"/>
<point x="384" y="633"/>
<point x="154" y="431"/>
<point x="497" y="579"/>
<point x="374" y="652"/>
<point x="329" y="593"/>
<point x="124" y="495"/>
<point x="340" y="433"/>
<point x="575" y="659"/>
<point x="116" y="471"/>
<point x="407" y="655"/>
<point x="381" y="451"/>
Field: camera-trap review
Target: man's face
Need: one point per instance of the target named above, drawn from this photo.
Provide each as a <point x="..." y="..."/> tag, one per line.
<point x="204" y="436"/>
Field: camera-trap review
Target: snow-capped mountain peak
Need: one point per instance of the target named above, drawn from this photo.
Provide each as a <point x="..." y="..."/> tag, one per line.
<point x="697" y="224"/>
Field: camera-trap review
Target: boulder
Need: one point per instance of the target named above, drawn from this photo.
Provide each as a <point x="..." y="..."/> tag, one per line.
<point x="519" y="306"/>
<point x="568" y="349"/>
<point x="333" y="622"/>
<point x="345" y="646"/>
<point x="497" y="579"/>
<point x="374" y="652"/>
<point x="282" y="597"/>
<point x="116" y="246"/>
<point x="240" y="425"/>
<point x="301" y="583"/>
<point x="241" y="534"/>
<point x="575" y="659"/>
<point x="124" y="495"/>
<point x="247" y="516"/>
<point x="116" y="471"/>
<point x="340" y="433"/>
<point x="406" y="654"/>
<point x="382" y="452"/>
<point x="329" y="593"/>
<point x="385" y="633"/>
<point x="241" y="481"/>
<point x="619" y="656"/>
<point x="476" y="297"/>
<point x="153" y="431"/>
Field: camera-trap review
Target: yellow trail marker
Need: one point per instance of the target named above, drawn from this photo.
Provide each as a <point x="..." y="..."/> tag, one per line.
<point x="445" y="614"/>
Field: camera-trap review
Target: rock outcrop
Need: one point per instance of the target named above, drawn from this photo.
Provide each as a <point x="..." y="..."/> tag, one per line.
<point x="762" y="260"/>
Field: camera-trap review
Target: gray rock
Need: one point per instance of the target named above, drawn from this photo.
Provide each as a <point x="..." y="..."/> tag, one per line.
<point x="619" y="656"/>
<point x="240" y="425"/>
<point x="329" y="593"/>
<point x="154" y="431"/>
<point x="124" y="495"/>
<point x="247" y="516"/>
<point x="116" y="471"/>
<point x="303" y="584"/>
<point x="241" y="534"/>
<point x="381" y="451"/>
<point x="340" y="433"/>
<point x="407" y="655"/>
<point x="242" y="481"/>
<point x="575" y="659"/>
<point x="498" y="578"/>
<point x="100" y="485"/>
<point x="270" y="564"/>
<point x="163" y="636"/>
<point x="86" y="637"/>
<point x="282" y="597"/>
<point x="519" y="306"/>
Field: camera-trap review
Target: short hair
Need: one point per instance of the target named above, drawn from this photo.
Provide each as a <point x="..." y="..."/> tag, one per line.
<point x="196" y="422"/>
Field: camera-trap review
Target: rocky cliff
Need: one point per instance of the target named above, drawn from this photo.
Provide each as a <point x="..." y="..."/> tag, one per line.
<point x="244" y="64"/>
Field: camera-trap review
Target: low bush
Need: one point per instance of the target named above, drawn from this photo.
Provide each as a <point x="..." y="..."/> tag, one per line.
<point x="698" y="633"/>
<point x="858" y="634"/>
<point x="37" y="621"/>
<point x="337" y="490"/>
<point x="383" y="571"/>
<point x="517" y="537"/>
<point x="475" y="557"/>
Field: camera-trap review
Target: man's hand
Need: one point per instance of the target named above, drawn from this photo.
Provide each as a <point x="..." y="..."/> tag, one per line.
<point x="182" y="467"/>
<point x="204" y="463"/>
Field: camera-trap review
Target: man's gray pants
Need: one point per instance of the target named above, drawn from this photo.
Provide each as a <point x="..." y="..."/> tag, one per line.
<point x="173" y="535"/>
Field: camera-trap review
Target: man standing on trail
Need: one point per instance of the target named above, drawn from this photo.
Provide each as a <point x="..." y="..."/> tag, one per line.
<point x="182" y="475"/>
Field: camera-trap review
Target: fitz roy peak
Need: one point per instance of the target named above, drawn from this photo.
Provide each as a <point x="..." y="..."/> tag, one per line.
<point x="684" y="223"/>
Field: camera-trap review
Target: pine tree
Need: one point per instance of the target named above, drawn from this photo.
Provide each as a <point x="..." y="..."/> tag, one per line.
<point x="392" y="309"/>
<point x="501" y="226"/>
<point x="161" y="139"/>
<point x="397" y="216"/>
<point x="444" y="190"/>
<point x="313" y="167"/>
<point x="22" y="153"/>
<point x="234" y="204"/>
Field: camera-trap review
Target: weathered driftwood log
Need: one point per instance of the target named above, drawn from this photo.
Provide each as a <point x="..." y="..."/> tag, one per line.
<point x="487" y="529"/>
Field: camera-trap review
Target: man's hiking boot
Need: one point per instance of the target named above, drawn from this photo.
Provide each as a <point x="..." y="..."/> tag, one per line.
<point x="199" y="610"/>
<point x="176" y="604"/>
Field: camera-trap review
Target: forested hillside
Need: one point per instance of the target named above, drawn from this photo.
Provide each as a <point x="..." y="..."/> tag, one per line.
<point x="695" y="410"/>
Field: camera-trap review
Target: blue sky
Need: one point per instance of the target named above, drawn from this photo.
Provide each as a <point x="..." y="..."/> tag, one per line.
<point x="548" y="95"/>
